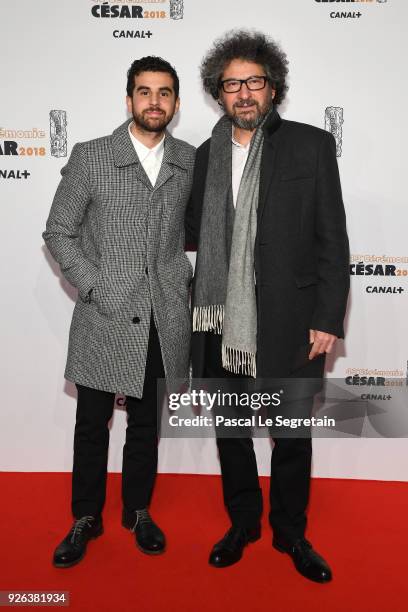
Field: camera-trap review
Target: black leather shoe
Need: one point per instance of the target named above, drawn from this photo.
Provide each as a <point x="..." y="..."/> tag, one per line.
<point x="307" y="561"/>
<point x="73" y="547"/>
<point x="149" y="537"/>
<point x="229" y="550"/>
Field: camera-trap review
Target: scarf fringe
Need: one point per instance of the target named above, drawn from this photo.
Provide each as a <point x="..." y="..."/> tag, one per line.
<point x="238" y="361"/>
<point x="211" y="318"/>
<point x="208" y="318"/>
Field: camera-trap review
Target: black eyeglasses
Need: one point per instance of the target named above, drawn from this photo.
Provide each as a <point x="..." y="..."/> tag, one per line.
<point x="254" y="83"/>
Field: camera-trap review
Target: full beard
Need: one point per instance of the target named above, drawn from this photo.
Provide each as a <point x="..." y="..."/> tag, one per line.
<point x="250" y="123"/>
<point x="158" y="124"/>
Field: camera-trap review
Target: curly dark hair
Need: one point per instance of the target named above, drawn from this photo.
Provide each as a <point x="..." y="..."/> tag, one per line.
<point x="150" y="63"/>
<point x="250" y="46"/>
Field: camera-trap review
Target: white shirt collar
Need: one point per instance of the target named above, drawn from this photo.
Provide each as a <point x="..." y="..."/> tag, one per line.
<point x="141" y="149"/>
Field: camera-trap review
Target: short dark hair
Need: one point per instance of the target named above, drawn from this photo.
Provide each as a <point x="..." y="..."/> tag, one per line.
<point x="250" y="46"/>
<point x="150" y="63"/>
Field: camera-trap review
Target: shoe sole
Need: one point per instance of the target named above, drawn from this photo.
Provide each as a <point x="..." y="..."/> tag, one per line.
<point x="146" y="551"/>
<point x="222" y="565"/>
<point x="72" y="563"/>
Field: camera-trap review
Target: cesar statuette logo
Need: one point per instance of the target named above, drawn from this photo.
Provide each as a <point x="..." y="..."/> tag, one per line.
<point x="333" y="122"/>
<point x="176" y="9"/>
<point x="58" y="133"/>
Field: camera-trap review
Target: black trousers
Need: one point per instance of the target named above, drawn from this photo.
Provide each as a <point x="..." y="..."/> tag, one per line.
<point x="290" y="468"/>
<point x="91" y="442"/>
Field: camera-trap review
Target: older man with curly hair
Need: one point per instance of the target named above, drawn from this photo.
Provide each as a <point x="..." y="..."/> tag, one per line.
<point x="271" y="283"/>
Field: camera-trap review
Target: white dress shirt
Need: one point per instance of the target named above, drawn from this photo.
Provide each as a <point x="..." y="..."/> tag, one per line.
<point x="151" y="159"/>
<point x="239" y="158"/>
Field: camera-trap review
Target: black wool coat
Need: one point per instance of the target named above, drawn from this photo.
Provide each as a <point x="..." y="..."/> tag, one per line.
<point x="301" y="247"/>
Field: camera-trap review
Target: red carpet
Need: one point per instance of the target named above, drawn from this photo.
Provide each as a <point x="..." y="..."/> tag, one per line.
<point x="360" y="526"/>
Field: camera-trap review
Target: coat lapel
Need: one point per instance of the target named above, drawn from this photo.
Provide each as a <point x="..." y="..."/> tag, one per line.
<point x="268" y="161"/>
<point x="124" y="153"/>
<point x="171" y="158"/>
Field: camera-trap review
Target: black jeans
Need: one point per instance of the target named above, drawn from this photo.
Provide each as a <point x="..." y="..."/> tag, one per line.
<point x="91" y="442"/>
<point x="290" y="468"/>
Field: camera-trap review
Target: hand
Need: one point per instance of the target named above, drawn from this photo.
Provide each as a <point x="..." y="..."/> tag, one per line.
<point x="322" y="343"/>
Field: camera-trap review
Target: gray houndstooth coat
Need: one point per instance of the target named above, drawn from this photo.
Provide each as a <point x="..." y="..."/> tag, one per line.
<point x="114" y="233"/>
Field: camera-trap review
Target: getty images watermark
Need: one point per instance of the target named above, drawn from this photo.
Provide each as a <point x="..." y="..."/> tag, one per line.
<point x="230" y="413"/>
<point x="333" y="408"/>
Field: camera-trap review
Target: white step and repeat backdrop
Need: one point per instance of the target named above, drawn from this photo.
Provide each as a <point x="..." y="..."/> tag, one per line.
<point x="64" y="71"/>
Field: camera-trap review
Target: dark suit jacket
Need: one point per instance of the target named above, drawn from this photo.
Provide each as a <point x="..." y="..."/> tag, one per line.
<point x="301" y="248"/>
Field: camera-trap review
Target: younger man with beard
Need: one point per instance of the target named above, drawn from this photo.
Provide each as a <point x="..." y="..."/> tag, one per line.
<point x="116" y="229"/>
<point x="267" y="216"/>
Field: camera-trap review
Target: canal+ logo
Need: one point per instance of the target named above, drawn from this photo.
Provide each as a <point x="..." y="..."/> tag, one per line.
<point x="348" y="4"/>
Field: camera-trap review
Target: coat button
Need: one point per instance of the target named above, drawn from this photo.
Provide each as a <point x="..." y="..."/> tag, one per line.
<point x="135" y="320"/>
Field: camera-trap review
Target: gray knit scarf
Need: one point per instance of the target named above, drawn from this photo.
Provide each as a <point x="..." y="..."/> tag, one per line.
<point x="224" y="298"/>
